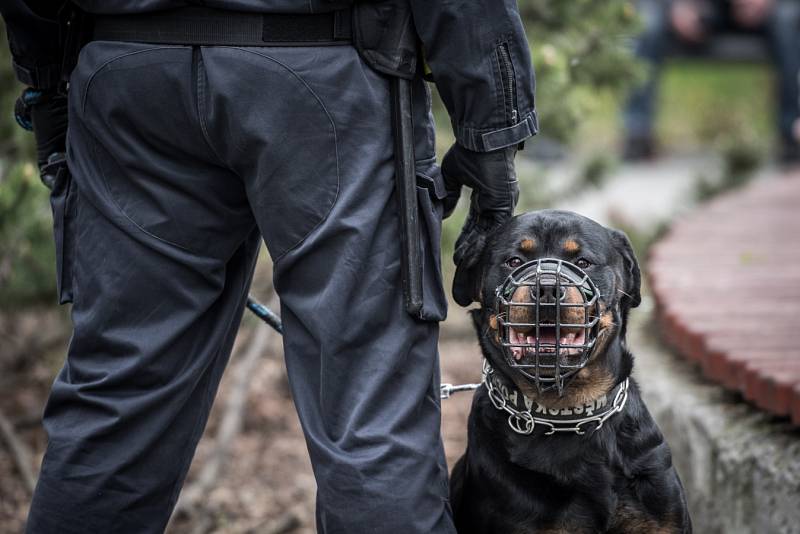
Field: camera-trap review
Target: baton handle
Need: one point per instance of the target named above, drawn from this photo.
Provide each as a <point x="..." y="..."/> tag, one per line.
<point x="406" y="183"/>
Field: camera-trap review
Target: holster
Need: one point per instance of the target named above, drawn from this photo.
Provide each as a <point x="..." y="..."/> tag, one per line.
<point x="385" y="37"/>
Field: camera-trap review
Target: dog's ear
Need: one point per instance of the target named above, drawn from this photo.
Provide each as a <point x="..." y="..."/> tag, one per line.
<point x="467" y="284"/>
<point x="631" y="276"/>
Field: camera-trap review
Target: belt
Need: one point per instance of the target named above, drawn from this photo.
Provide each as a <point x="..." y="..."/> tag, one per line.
<point x="207" y="26"/>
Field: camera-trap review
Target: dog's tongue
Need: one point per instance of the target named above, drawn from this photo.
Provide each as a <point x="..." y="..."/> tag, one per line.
<point x="546" y="336"/>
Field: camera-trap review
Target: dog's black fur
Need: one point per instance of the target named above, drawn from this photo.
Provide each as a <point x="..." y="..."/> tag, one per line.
<point x="618" y="479"/>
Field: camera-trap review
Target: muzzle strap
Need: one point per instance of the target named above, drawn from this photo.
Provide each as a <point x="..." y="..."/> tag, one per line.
<point x="525" y="414"/>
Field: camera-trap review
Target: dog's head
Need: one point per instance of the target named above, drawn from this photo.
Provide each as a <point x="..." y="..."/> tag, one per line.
<point x="604" y="255"/>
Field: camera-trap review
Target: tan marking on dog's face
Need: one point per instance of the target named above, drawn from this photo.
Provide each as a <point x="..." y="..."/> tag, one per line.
<point x="607" y="326"/>
<point x="527" y="245"/>
<point x="493" y="325"/>
<point x="606" y="320"/>
<point x="629" y="520"/>
<point x="521" y="314"/>
<point x="571" y="246"/>
<point x="592" y="382"/>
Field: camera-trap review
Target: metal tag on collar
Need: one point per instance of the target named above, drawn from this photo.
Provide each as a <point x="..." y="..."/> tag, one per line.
<point x="548" y="314"/>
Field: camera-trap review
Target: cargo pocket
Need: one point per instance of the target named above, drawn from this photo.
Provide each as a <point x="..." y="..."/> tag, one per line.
<point x="430" y="193"/>
<point x="62" y="200"/>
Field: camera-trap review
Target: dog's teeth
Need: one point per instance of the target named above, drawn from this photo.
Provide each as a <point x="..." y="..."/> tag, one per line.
<point x="517" y="352"/>
<point x="571" y="337"/>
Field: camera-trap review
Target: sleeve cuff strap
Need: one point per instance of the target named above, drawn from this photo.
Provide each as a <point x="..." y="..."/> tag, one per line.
<point x="487" y="140"/>
<point x="41" y="77"/>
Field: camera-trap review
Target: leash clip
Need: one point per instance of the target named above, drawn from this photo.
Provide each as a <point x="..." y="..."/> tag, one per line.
<point x="526" y="417"/>
<point x="447" y="390"/>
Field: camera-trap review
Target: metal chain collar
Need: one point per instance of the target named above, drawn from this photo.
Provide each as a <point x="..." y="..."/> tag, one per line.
<point x="523" y="422"/>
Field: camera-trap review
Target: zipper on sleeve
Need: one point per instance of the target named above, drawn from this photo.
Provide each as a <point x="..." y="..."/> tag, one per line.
<point x="509" y="82"/>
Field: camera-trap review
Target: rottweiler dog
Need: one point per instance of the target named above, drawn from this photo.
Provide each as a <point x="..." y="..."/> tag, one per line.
<point x="611" y="477"/>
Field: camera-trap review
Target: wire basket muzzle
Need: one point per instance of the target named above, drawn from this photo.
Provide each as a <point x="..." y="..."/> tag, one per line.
<point x="548" y="320"/>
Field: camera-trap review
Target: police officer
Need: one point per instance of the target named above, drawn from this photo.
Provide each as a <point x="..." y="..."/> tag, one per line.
<point x="194" y="132"/>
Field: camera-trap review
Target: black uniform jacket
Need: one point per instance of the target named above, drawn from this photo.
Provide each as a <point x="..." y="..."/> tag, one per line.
<point x="476" y="50"/>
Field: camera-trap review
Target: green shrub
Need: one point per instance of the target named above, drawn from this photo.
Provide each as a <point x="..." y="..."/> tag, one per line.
<point x="27" y="263"/>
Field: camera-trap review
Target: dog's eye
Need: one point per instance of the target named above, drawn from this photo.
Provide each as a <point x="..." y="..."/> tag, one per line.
<point x="583" y="263"/>
<point x="514" y="262"/>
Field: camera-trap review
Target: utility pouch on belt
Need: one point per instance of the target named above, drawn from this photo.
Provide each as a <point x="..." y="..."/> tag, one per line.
<point x="383" y="33"/>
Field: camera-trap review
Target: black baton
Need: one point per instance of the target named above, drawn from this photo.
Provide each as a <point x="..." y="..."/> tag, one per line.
<point x="406" y="181"/>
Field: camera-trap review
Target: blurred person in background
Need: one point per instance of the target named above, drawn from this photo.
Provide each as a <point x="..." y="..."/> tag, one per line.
<point x="693" y="24"/>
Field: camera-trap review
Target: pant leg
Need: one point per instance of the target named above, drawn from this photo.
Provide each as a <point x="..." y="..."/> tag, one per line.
<point x="161" y="254"/>
<point x="783" y="32"/>
<point x="650" y="47"/>
<point x="318" y="161"/>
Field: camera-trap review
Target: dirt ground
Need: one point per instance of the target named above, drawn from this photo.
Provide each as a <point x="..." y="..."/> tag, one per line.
<point x="266" y="484"/>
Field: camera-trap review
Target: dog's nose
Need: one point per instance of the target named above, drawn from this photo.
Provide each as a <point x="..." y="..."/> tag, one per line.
<point x="546" y="293"/>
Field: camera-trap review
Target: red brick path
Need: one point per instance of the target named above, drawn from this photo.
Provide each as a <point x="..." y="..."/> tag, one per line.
<point x="726" y="281"/>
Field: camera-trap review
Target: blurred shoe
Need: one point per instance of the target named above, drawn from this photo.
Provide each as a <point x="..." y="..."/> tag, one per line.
<point x="639" y="148"/>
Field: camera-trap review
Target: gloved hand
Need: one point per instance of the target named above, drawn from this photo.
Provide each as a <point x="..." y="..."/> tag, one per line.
<point x="45" y="112"/>
<point x="495" y="192"/>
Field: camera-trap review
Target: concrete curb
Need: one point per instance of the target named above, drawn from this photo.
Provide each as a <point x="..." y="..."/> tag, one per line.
<point x="740" y="467"/>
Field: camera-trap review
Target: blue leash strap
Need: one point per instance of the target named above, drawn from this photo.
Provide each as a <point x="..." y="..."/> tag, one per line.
<point x="265" y="314"/>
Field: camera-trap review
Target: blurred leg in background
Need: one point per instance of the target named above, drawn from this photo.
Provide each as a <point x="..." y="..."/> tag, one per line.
<point x="691" y="22"/>
<point x="783" y="33"/>
<point x="639" y="113"/>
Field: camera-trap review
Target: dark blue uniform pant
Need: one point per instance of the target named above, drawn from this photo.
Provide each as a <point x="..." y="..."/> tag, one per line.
<point x="182" y="159"/>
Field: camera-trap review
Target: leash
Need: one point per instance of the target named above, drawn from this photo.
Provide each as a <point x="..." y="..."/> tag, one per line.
<point x="265" y="314"/>
<point x="274" y="321"/>
<point x="448" y="389"/>
<point x="521" y="421"/>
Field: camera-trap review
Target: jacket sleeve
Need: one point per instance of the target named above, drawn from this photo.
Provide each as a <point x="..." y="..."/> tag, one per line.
<point x="479" y="58"/>
<point x="33" y="38"/>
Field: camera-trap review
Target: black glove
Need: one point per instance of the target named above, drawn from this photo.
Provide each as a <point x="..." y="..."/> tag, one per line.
<point x="495" y="192"/>
<point x="45" y="112"/>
